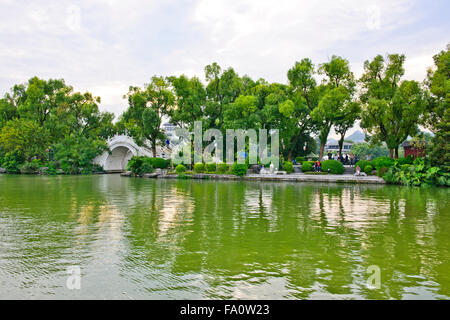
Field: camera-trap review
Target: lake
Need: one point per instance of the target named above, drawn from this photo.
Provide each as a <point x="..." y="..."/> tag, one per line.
<point x="134" y="238"/>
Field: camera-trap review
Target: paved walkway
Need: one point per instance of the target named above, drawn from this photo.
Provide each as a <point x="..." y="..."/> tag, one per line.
<point x="293" y="177"/>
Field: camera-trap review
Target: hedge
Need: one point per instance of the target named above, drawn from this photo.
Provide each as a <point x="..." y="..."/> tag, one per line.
<point x="139" y="165"/>
<point x="180" y="169"/>
<point x="382" y="162"/>
<point x="199" y="168"/>
<point x="362" y="164"/>
<point x="288" y="167"/>
<point x="299" y="159"/>
<point x="307" y="166"/>
<point x="222" y="167"/>
<point x="336" y="167"/>
<point x="160" y="163"/>
<point x="211" y="167"/>
<point x="239" y="169"/>
<point x="368" y="169"/>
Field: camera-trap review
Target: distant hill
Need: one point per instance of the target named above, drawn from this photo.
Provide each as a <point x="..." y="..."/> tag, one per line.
<point x="356" y="137"/>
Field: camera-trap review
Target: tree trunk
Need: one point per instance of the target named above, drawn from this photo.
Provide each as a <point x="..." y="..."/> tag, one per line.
<point x="396" y="152"/>
<point x="289" y="155"/>
<point x="322" y="148"/>
<point x="341" y="144"/>
<point x="391" y="153"/>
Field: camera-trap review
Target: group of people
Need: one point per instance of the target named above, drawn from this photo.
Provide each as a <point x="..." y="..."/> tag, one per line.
<point x="317" y="166"/>
<point x="345" y="160"/>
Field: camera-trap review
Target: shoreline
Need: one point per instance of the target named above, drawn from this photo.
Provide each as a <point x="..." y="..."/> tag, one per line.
<point x="294" y="177"/>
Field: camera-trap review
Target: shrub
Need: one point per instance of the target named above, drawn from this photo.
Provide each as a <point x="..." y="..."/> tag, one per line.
<point x="408" y="160"/>
<point x="368" y="169"/>
<point x="362" y="164"/>
<point x="50" y="170"/>
<point x="288" y="167"/>
<point x="222" y="167"/>
<point x="239" y="169"/>
<point x="30" y="167"/>
<point x="299" y="159"/>
<point x="140" y="165"/>
<point x="180" y="169"/>
<point x="160" y="163"/>
<point x="335" y="166"/>
<point x="211" y="167"/>
<point x="307" y="166"/>
<point x="12" y="161"/>
<point x="199" y="168"/>
<point x="147" y="166"/>
<point x="382" y="162"/>
<point x="382" y="171"/>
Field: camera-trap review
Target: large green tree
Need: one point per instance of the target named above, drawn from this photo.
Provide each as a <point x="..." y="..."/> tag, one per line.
<point x="339" y="86"/>
<point x="350" y="112"/>
<point x="392" y="108"/>
<point x="438" y="108"/>
<point x="40" y="114"/>
<point x="146" y="108"/>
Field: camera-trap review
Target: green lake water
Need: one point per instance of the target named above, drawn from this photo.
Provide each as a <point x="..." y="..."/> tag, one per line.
<point x="183" y="239"/>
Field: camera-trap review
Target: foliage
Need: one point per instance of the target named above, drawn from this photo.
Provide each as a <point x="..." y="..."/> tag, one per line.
<point x="26" y="136"/>
<point x="438" y="109"/>
<point x="299" y="159"/>
<point x="239" y="169"/>
<point x="41" y="116"/>
<point x="336" y="101"/>
<point x="307" y="166"/>
<point x="146" y="107"/>
<point x="420" y="173"/>
<point x="364" y="150"/>
<point x="288" y="167"/>
<point x="362" y="164"/>
<point x="392" y="108"/>
<point x="159" y="163"/>
<point x="12" y="161"/>
<point x="336" y="167"/>
<point x="180" y="169"/>
<point x="139" y="165"/>
<point x="222" y="167"/>
<point x="382" y="171"/>
<point x="211" y="167"/>
<point x="368" y="169"/>
<point x="31" y="166"/>
<point x="408" y="160"/>
<point x="382" y="162"/>
<point x="199" y="168"/>
<point x="76" y="153"/>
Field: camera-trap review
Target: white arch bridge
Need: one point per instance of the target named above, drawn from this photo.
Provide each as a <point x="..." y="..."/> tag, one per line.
<point x="122" y="148"/>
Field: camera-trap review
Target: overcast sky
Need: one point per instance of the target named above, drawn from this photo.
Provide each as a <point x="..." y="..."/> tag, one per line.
<point x="106" y="45"/>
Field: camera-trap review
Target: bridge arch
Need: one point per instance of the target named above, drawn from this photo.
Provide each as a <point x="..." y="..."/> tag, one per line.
<point x="121" y="149"/>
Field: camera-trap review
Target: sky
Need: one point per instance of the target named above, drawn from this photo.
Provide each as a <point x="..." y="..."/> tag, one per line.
<point x="104" y="46"/>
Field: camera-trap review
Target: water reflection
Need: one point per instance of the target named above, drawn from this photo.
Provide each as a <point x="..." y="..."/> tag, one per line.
<point x="142" y="238"/>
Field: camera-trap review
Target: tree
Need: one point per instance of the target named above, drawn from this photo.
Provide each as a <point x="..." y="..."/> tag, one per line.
<point x="364" y="150"/>
<point x="345" y="121"/>
<point x="391" y="108"/>
<point x="146" y="107"/>
<point x="24" y="136"/>
<point x="438" y="109"/>
<point x="221" y="90"/>
<point x="301" y="98"/>
<point x="190" y="97"/>
<point x="339" y="86"/>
